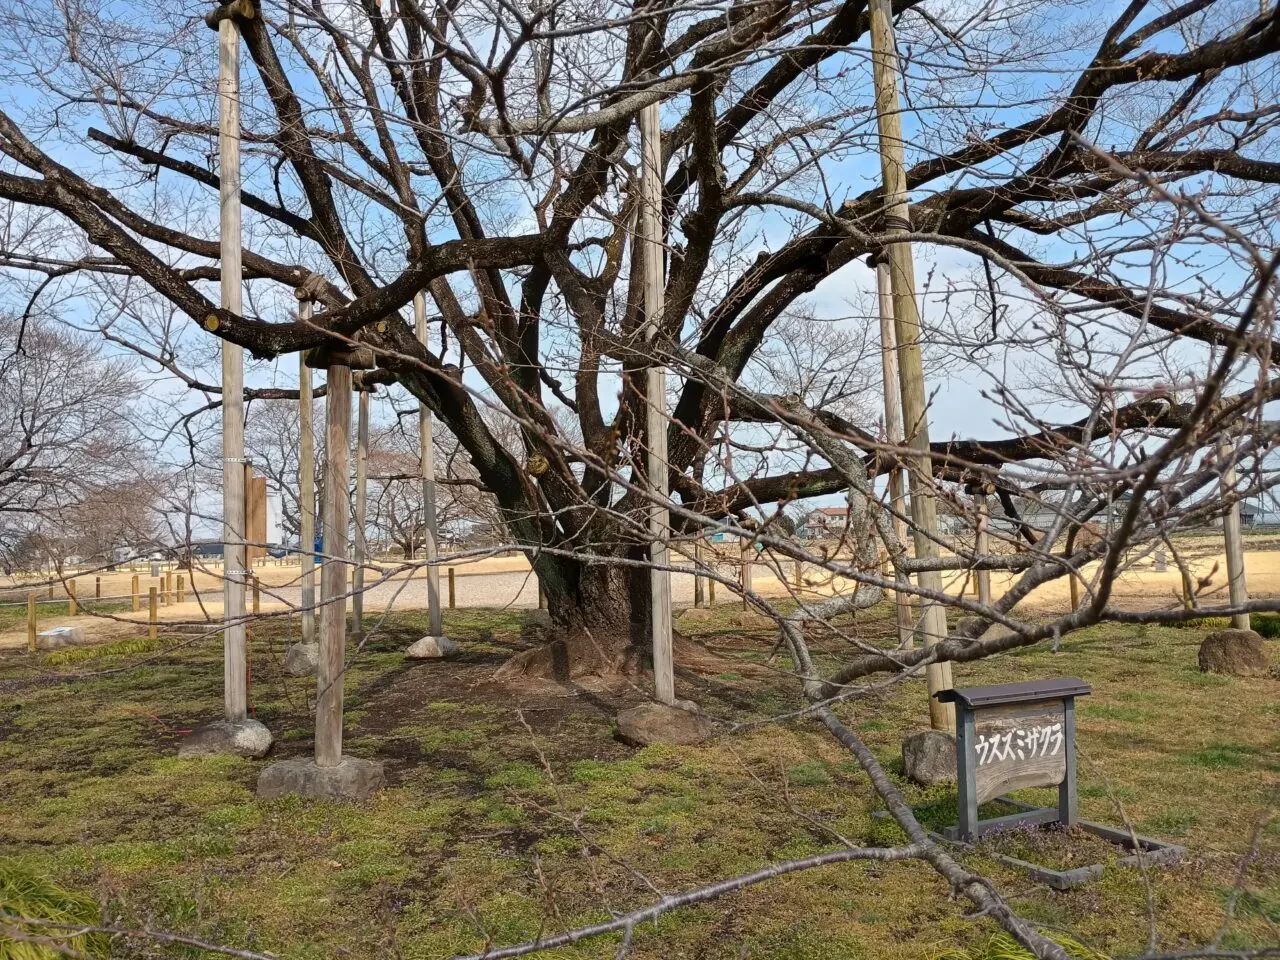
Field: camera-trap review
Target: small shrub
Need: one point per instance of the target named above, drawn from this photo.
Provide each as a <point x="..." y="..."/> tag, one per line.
<point x="26" y="894"/>
<point x="1266" y="624"/>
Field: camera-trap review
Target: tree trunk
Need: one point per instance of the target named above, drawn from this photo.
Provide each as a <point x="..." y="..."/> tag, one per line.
<point x="599" y="622"/>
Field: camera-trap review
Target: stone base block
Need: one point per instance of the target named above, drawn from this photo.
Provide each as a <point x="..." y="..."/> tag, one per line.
<point x="302" y="660"/>
<point x="651" y="723"/>
<point x="431" y="648"/>
<point x="351" y="779"/>
<point x="245" y="738"/>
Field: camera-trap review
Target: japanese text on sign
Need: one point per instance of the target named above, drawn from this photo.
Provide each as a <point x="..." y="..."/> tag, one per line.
<point x="1021" y="743"/>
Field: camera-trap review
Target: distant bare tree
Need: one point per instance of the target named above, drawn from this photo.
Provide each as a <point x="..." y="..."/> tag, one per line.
<point x="74" y="477"/>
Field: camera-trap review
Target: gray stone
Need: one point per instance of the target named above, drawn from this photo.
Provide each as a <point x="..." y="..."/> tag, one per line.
<point x="753" y="620"/>
<point x="245" y="738"/>
<point x="930" y="757"/>
<point x="351" y="779"/>
<point x="431" y="648"/>
<point x="57" y="637"/>
<point x="651" y="723"/>
<point x="1240" y="653"/>
<point x="302" y="660"/>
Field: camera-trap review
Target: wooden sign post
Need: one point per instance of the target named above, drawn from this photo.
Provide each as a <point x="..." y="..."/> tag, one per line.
<point x="1009" y="737"/>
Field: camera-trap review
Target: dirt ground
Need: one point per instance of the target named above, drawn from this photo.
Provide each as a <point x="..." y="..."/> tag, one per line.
<point x="506" y="582"/>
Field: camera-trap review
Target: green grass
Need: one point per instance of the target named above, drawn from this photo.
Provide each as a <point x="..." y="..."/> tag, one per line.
<point x="475" y="841"/>
<point x="49" y="912"/>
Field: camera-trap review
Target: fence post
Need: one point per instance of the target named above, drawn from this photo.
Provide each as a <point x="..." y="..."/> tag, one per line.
<point x="71" y="598"/>
<point x="154" y="616"/>
<point x="97" y="588"/>
<point x="453" y="594"/>
<point x="745" y="578"/>
<point x="711" y="591"/>
<point x="31" y="623"/>
<point x="257" y="595"/>
<point x="136" y="606"/>
<point x="182" y="588"/>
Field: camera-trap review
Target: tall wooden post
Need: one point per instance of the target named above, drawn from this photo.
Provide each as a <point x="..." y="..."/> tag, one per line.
<point x="306" y="489"/>
<point x="31" y="623"/>
<point x="235" y="654"/>
<point x="698" y="592"/>
<point x="1238" y="591"/>
<point x="745" y="560"/>
<point x="893" y="433"/>
<point x="362" y="476"/>
<point x="453" y="590"/>
<point x="651" y="251"/>
<point x="97" y="588"/>
<point x="427" y="467"/>
<point x="152" y="614"/>
<point x="982" y="543"/>
<point x="71" y="598"/>
<point x="333" y="574"/>
<point x="134" y="590"/>
<point x="924" y="518"/>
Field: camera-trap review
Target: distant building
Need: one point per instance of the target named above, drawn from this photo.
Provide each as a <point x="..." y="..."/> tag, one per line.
<point x="824" y="523"/>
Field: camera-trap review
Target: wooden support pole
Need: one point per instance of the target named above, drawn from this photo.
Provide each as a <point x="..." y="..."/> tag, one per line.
<point x="427" y="467"/>
<point x="1073" y="578"/>
<point x="235" y="658"/>
<point x="333" y="575"/>
<point x="168" y="587"/>
<point x="650" y="243"/>
<point x="362" y="474"/>
<point x="136" y="604"/>
<point x="257" y="595"/>
<point x="745" y="577"/>
<point x="31" y="623"/>
<point x="71" y="598"/>
<point x="893" y="433"/>
<point x="906" y="316"/>
<point x="153" y="614"/>
<point x="982" y="544"/>
<point x="97" y="588"/>
<point x="1237" y="588"/>
<point x="182" y="588"/>
<point x="453" y="590"/>
<point x="306" y="490"/>
<point x="711" y="592"/>
<point x="699" y="599"/>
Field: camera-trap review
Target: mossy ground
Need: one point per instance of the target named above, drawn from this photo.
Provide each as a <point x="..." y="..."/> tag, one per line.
<point x="475" y="842"/>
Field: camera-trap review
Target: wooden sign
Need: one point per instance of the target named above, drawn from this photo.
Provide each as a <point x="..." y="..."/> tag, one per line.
<point x="255" y="515"/>
<point x="1009" y="737"/>
<point x="1018" y="747"/>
